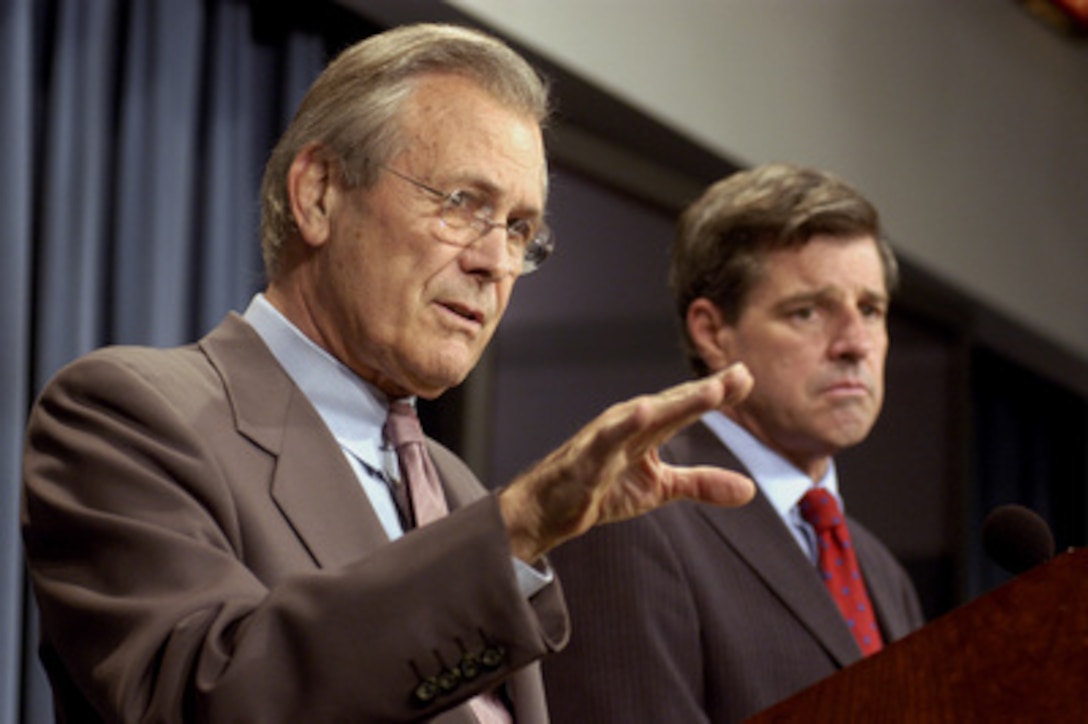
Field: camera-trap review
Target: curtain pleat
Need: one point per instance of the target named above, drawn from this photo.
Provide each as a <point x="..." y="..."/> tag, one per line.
<point x="77" y="128"/>
<point x="156" y="172"/>
<point x="230" y="159"/>
<point x="134" y="134"/>
<point x="247" y="110"/>
<point x="16" y="181"/>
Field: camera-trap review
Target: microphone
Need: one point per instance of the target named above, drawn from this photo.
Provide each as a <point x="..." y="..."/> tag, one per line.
<point x="1017" y="538"/>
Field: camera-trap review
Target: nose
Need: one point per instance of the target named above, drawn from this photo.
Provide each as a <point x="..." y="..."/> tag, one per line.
<point x="491" y="256"/>
<point x="852" y="338"/>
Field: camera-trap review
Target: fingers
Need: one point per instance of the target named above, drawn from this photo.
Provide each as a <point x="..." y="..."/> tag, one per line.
<point x="648" y="421"/>
<point x="728" y="387"/>
<point x="610" y="469"/>
<point x="716" y="486"/>
<point x="738" y="381"/>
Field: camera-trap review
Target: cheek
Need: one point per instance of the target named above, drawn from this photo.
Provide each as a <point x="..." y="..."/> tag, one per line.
<point x="779" y="383"/>
<point x="877" y="362"/>
<point x="503" y="292"/>
<point x="372" y="307"/>
<point x="799" y="379"/>
<point x="787" y="363"/>
<point x="790" y="385"/>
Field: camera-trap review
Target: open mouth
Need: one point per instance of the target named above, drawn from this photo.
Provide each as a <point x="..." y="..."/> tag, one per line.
<point x="465" y="312"/>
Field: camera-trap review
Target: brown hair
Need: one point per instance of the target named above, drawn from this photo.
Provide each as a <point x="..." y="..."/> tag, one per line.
<point x="724" y="236"/>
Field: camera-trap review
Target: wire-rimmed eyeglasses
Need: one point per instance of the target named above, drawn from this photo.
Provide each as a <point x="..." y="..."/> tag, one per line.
<point x="466" y="217"/>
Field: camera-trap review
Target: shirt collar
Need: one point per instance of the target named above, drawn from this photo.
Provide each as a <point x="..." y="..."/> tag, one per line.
<point x="780" y="481"/>
<point x="353" y="410"/>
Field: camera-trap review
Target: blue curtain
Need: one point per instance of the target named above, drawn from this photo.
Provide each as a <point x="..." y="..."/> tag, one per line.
<point x="15" y="223"/>
<point x="134" y="134"/>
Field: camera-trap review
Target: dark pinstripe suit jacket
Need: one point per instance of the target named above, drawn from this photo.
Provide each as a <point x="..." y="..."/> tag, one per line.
<point x="695" y="613"/>
<point x="201" y="551"/>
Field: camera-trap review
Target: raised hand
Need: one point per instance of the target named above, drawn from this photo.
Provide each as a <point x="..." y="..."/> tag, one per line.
<point x="610" y="470"/>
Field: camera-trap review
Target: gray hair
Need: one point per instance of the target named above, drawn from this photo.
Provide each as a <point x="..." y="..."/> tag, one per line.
<point x="353" y="107"/>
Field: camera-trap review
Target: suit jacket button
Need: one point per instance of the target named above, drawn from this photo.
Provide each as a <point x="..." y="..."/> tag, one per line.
<point x="470" y="666"/>
<point x="448" y="680"/>
<point x="427" y="690"/>
<point x="493" y="656"/>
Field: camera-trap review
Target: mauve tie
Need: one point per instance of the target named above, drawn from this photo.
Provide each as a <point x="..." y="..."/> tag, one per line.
<point x="403" y="431"/>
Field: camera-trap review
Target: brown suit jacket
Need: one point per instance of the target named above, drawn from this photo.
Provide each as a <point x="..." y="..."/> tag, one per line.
<point x="701" y="614"/>
<point x="201" y="551"/>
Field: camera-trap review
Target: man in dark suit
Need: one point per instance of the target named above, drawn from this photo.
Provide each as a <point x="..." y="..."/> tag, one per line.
<point x="697" y="614"/>
<point x="218" y="532"/>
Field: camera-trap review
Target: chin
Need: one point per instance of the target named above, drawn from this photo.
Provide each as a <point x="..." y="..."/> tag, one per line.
<point x="433" y="383"/>
<point x="852" y="434"/>
<point x="430" y="394"/>
<point x="843" y="431"/>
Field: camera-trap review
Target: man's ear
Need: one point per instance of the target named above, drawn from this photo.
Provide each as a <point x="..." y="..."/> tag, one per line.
<point x="310" y="191"/>
<point x="710" y="334"/>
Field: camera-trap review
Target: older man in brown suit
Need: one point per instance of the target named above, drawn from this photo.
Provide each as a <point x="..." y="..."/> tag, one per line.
<point x="213" y="532"/>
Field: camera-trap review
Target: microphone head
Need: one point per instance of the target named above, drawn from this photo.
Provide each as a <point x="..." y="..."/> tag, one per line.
<point x="1017" y="538"/>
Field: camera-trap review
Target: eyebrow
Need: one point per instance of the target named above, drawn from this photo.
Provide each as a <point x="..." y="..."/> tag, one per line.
<point x="477" y="183"/>
<point x="491" y="191"/>
<point x="826" y="293"/>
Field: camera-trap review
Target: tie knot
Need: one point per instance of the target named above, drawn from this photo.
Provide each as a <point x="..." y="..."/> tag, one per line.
<point x="820" y="510"/>
<point x="402" y="426"/>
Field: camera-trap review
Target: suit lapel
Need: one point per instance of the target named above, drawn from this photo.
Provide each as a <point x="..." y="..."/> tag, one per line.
<point x="319" y="493"/>
<point x="312" y="483"/>
<point x="751" y="531"/>
<point x="459" y="484"/>
<point x="882" y="590"/>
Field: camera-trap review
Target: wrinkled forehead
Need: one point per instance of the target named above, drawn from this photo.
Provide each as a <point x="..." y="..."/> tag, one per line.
<point x="455" y="132"/>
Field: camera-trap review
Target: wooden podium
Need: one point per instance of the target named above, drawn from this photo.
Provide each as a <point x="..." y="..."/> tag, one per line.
<point x="1016" y="654"/>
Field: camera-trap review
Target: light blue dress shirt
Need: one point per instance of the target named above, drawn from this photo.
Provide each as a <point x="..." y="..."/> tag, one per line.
<point x="355" y="413"/>
<point x="778" y="479"/>
<point x="352" y="410"/>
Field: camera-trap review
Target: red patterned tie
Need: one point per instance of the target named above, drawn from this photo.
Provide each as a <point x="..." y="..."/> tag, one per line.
<point x="839" y="567"/>
<point x="402" y="429"/>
